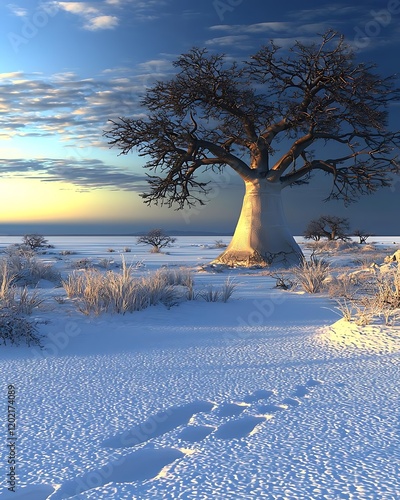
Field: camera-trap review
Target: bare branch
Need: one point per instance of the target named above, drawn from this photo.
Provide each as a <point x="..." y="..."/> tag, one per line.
<point x="215" y="113"/>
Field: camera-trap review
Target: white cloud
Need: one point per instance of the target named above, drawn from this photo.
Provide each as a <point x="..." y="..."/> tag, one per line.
<point x="75" y="109"/>
<point x="328" y="11"/>
<point x="277" y="27"/>
<point x="14" y="74"/>
<point x="106" y="14"/>
<point x="79" y="8"/>
<point x="17" y="10"/>
<point x="228" y="41"/>
<point x="155" y="65"/>
<point x="93" y="16"/>
<point x="101" y="23"/>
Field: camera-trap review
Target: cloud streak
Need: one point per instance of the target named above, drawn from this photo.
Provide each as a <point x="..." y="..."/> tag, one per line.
<point x="74" y="108"/>
<point x="87" y="174"/>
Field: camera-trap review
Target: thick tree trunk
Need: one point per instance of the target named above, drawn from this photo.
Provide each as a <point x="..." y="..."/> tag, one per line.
<point x="261" y="236"/>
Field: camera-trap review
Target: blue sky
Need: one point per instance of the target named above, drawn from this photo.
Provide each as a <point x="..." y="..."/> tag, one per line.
<point x="68" y="67"/>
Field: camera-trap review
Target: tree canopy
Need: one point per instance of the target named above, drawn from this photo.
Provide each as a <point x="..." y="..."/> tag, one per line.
<point x="328" y="226"/>
<point x="269" y="117"/>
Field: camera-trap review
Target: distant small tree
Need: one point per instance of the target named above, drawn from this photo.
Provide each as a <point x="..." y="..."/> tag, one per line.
<point x="362" y="235"/>
<point x="157" y="239"/>
<point x="328" y="226"/>
<point x="35" y="241"/>
<point x="313" y="231"/>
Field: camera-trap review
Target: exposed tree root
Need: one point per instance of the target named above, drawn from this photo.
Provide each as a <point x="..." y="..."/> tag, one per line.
<point x="233" y="258"/>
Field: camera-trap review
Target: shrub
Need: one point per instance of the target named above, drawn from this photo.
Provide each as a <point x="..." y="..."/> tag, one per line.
<point x="15" y="329"/>
<point x="219" y="244"/>
<point x="210" y="294"/>
<point x="329" y="247"/>
<point x="83" y="263"/>
<point x="25" y="252"/>
<point x="27" y="271"/>
<point x="312" y="274"/>
<point x="20" y="301"/>
<point x="117" y="292"/>
<point x="344" y="286"/>
<point x="105" y="263"/>
<point x="387" y="294"/>
<point x="282" y="281"/>
<point x="176" y="276"/>
<point x="227" y="290"/>
<point x="223" y="294"/>
<point x="377" y="297"/>
<point x="67" y="252"/>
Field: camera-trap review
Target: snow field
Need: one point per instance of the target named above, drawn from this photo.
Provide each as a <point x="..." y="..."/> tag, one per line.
<point x="266" y="396"/>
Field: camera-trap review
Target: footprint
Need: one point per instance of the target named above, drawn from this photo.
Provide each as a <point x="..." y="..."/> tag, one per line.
<point x="257" y="395"/>
<point x="231" y="409"/>
<point x="291" y="402"/>
<point x="272" y="408"/>
<point x="313" y="383"/>
<point x="301" y="391"/>
<point x="148" y="463"/>
<point x="141" y="465"/>
<point x="158" y="424"/>
<point x="32" y="492"/>
<point x="238" y="428"/>
<point x="195" y="433"/>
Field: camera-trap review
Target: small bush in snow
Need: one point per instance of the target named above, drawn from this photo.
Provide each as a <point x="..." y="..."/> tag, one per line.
<point x="283" y="281"/>
<point x="219" y="244"/>
<point x="222" y="294"/>
<point x="176" y="276"/>
<point x="343" y="286"/>
<point x="378" y="296"/>
<point x="105" y="263"/>
<point x="210" y="294"/>
<point x="113" y="292"/>
<point x="312" y="274"/>
<point x="28" y="271"/>
<point x="329" y="247"/>
<point x="227" y="290"/>
<point x="20" y="300"/>
<point x="387" y="294"/>
<point x="15" y="329"/>
<point x="346" y="309"/>
<point x="19" y="251"/>
<point x="83" y="263"/>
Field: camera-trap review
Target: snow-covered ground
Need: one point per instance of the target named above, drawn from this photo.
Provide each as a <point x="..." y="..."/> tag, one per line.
<point x="259" y="397"/>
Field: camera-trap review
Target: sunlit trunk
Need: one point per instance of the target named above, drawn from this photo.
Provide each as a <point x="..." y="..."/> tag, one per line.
<point x="262" y="236"/>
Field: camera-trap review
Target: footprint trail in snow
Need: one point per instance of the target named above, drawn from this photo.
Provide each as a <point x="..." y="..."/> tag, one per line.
<point x="147" y="463"/>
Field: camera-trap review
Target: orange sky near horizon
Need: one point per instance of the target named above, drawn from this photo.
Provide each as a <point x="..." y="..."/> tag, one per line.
<point x="31" y="200"/>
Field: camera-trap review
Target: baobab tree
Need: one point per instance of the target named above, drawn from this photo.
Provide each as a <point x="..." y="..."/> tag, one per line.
<point x="268" y="119"/>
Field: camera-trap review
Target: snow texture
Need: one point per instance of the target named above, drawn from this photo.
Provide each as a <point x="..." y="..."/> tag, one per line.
<point x="265" y="396"/>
